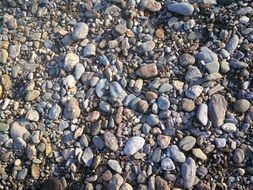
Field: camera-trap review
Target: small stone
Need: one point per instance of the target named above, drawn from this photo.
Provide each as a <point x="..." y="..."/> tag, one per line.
<point x="80" y="31"/>
<point x="126" y="186"/>
<point x="148" y="46"/>
<point x="187" y="143"/>
<point x="70" y="61"/>
<point x="151" y="5"/>
<point x="241" y="105"/>
<point x="167" y="164"/>
<point x="186" y="60"/>
<point x="163" y="103"/>
<point x="156" y="155"/>
<point x="17" y="130"/>
<point x="151" y="95"/>
<point x="188" y="105"/>
<point x="117" y="92"/>
<point x="159" y="33"/>
<point x="4" y="127"/>
<point x="35" y="171"/>
<point x="236" y="64"/>
<point x="32" y="115"/>
<point x="79" y="70"/>
<point x="14" y="51"/>
<point x="3" y="56"/>
<point x="55" y="112"/>
<point x="100" y="87"/>
<point x="217" y="109"/>
<point x="89" y="50"/>
<point x="88" y="156"/>
<point x="193" y="74"/>
<point x="114" y="164"/>
<point x="71" y="109"/>
<point x="107" y="175"/>
<point x="176" y="154"/>
<point x="202" y="114"/>
<point x="133" y="145"/>
<point x="207" y="55"/>
<point x="163" y="141"/>
<point x="32" y="95"/>
<point x="121" y="28"/>
<point x="147" y="71"/>
<point x="22" y="174"/>
<point x="111" y="141"/>
<point x="93" y="116"/>
<point x="6" y="82"/>
<point x="238" y="156"/>
<point x="161" y="184"/>
<point x="115" y="182"/>
<point x="198" y="153"/>
<point x="142" y="106"/>
<point x="232" y="44"/>
<point x="188" y="172"/>
<point x="220" y="142"/>
<point x="224" y="66"/>
<point x="194" y="91"/>
<point x="104" y="106"/>
<point x="183" y="8"/>
<point x="212" y="67"/>
<point x="229" y="127"/>
<point x="152" y="119"/>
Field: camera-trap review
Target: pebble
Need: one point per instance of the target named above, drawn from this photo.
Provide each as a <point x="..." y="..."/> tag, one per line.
<point x="186" y="60"/>
<point x="163" y="103"/>
<point x="212" y="67"/>
<point x="111" y="141"/>
<point x="3" y="56"/>
<point x="14" y="51"/>
<point x="217" y="109"/>
<point x="238" y="156"/>
<point x="88" y="156"/>
<point x="152" y="119"/>
<point x="193" y="74"/>
<point x="6" y="82"/>
<point x="17" y="130"/>
<point x="100" y="87"/>
<point x="148" y="46"/>
<point x="167" y="164"/>
<point x="207" y="55"/>
<point x="79" y="70"/>
<point x="183" y="8"/>
<point x="89" y="50"/>
<point x="116" y="182"/>
<point x="241" y="105"/>
<point x="163" y="141"/>
<point x="160" y="183"/>
<point x="71" y="109"/>
<point x="147" y="71"/>
<point x="187" y="143"/>
<point x="133" y="145"/>
<point x="70" y="61"/>
<point x="117" y="92"/>
<point x="55" y="112"/>
<point x="32" y="95"/>
<point x="198" y="153"/>
<point x="236" y="64"/>
<point x="188" y="105"/>
<point x="232" y="44"/>
<point x="104" y="106"/>
<point x="229" y="127"/>
<point x="176" y="154"/>
<point x="220" y="142"/>
<point x="80" y="31"/>
<point x="202" y="114"/>
<point x="188" y="172"/>
<point x="194" y="91"/>
<point x="4" y="127"/>
<point x="151" y="5"/>
<point x="32" y="115"/>
<point x="224" y="66"/>
<point x="114" y="165"/>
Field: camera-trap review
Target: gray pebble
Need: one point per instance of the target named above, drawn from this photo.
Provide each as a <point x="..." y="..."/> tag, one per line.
<point x="133" y="145"/>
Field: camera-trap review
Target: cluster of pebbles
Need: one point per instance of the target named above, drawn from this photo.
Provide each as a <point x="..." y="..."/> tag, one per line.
<point x="126" y="94"/>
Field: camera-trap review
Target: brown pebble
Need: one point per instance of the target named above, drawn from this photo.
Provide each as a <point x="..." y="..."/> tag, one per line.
<point x="159" y="33"/>
<point x="188" y="105"/>
<point x="151" y="95"/>
<point x="142" y="106"/>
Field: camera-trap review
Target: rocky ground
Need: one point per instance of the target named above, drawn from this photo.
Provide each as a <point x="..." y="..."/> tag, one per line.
<point x="126" y="94"/>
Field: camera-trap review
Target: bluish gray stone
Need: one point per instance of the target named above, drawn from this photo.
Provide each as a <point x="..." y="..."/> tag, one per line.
<point x="163" y="103"/>
<point x="79" y="70"/>
<point x="193" y="74"/>
<point x="54" y="112"/>
<point x="194" y="91"/>
<point x="177" y="155"/>
<point x="183" y="8"/>
<point x="88" y="156"/>
<point x="133" y="145"/>
<point x="101" y="87"/>
<point x="220" y="142"/>
<point x="104" y="106"/>
<point x="207" y="55"/>
<point x="117" y="92"/>
<point x="17" y="130"/>
<point x="232" y="44"/>
<point x="89" y="50"/>
<point x="167" y="164"/>
<point x="14" y="51"/>
<point x="103" y="60"/>
<point x="188" y="172"/>
<point x="187" y="143"/>
<point x="236" y="64"/>
<point x="80" y="31"/>
<point x="152" y="119"/>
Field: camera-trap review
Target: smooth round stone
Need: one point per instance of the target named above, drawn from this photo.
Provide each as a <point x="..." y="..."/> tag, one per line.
<point x="4" y="127"/>
<point x="55" y="112"/>
<point x="198" y="153"/>
<point x="117" y="92"/>
<point x="165" y="88"/>
<point x="100" y="87"/>
<point x="207" y="55"/>
<point x="188" y="105"/>
<point x="151" y="5"/>
<point x="193" y="74"/>
<point x="156" y="156"/>
<point x="220" y="142"/>
<point x="202" y="114"/>
<point x="3" y="56"/>
<point x="186" y="59"/>
<point x="17" y="130"/>
<point x="70" y="61"/>
<point x="229" y="127"/>
<point x="111" y="141"/>
<point x="241" y="105"/>
<point x="188" y="171"/>
<point x="163" y="103"/>
<point x="232" y="44"/>
<point x="114" y="164"/>
<point x="14" y="51"/>
<point x="72" y="109"/>
<point x="176" y="154"/>
<point x="183" y="8"/>
<point x="32" y="115"/>
<point x="167" y="164"/>
<point x="212" y="67"/>
<point x="187" y="143"/>
<point x="163" y="141"/>
<point x="79" y="70"/>
<point x="224" y="67"/>
<point x="152" y="120"/>
<point x="133" y="145"/>
<point x="89" y="50"/>
<point x="148" y="46"/>
<point x="202" y="171"/>
<point x="238" y="156"/>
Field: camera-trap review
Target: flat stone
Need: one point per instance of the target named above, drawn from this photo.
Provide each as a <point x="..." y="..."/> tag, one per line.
<point x="187" y="143"/>
<point x="116" y="182"/>
<point x="224" y="66"/>
<point x="133" y="145"/>
<point x="17" y="130"/>
<point x="236" y="64"/>
<point x="3" y="56"/>
<point x="117" y="92"/>
<point x="241" y="105"/>
<point x="22" y="174"/>
<point x="174" y="153"/>
<point x="111" y="141"/>
<point x="183" y="8"/>
<point x="114" y="164"/>
<point x="88" y="156"/>
<point x="217" y="109"/>
<point x="188" y="170"/>
<point x="151" y="5"/>
<point x="142" y="106"/>
<point x="202" y="114"/>
<point x="194" y="91"/>
<point x="232" y="44"/>
<point x="152" y="119"/>
<point x="72" y="109"/>
<point x="79" y="70"/>
<point x="156" y="155"/>
<point x="147" y="71"/>
<point x="70" y="61"/>
<point x="198" y="153"/>
<point x="163" y="141"/>
<point x="55" y="112"/>
<point x="167" y="164"/>
<point x="6" y="82"/>
<point x="207" y="55"/>
<point x="104" y="106"/>
<point x="80" y="31"/>
<point x="229" y="127"/>
<point x="212" y="67"/>
<point x="238" y="156"/>
<point x="186" y="60"/>
<point x="100" y="87"/>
